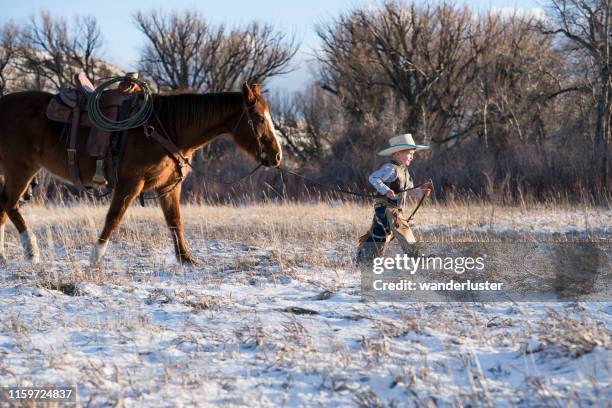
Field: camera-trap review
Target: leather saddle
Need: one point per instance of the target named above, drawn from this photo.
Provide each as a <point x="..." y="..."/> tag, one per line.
<point x="69" y="106"/>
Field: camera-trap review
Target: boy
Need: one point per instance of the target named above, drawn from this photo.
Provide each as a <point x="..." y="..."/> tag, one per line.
<point x="390" y="181"/>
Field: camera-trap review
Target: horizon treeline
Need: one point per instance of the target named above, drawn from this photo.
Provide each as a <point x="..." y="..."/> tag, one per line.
<point x="516" y="106"/>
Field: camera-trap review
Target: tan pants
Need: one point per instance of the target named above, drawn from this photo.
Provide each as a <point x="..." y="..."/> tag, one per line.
<point x="388" y="223"/>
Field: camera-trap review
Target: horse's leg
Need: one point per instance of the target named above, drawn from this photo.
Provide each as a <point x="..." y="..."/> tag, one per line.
<point x="172" y="213"/>
<point x="122" y="198"/>
<point x="13" y="189"/>
<point x="3" y="218"/>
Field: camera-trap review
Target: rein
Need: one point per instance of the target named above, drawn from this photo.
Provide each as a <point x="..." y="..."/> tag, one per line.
<point x="342" y="191"/>
<point x="243" y="177"/>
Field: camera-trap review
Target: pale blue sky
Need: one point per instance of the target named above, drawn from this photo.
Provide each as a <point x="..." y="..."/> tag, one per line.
<point x="123" y="41"/>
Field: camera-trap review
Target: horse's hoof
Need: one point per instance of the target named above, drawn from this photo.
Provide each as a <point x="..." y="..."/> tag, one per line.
<point x="95" y="262"/>
<point x="187" y="261"/>
<point x="33" y="255"/>
<point x="97" y="253"/>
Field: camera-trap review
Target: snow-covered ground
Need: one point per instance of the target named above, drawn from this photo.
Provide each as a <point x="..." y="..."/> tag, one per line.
<point x="272" y="315"/>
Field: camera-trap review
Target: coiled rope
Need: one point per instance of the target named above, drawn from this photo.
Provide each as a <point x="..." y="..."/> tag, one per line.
<point x="138" y="119"/>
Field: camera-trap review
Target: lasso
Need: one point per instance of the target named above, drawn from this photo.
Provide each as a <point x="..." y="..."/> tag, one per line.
<point x="138" y="119"/>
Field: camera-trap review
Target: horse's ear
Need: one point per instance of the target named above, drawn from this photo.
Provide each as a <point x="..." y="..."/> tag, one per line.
<point x="257" y="89"/>
<point x="248" y="94"/>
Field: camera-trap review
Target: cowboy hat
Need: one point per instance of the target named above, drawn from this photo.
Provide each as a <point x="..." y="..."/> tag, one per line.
<point x="399" y="143"/>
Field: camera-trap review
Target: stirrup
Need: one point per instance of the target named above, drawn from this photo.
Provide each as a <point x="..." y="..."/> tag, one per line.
<point x="99" y="178"/>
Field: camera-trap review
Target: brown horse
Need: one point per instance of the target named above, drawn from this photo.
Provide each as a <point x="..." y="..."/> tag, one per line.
<point x="29" y="141"/>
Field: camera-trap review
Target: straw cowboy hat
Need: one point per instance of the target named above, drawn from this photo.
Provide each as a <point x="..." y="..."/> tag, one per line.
<point x="399" y="143"/>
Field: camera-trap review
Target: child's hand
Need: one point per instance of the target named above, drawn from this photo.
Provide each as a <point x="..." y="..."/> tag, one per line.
<point x="390" y="195"/>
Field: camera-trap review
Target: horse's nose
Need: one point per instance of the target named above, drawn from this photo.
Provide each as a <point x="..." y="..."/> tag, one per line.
<point x="279" y="156"/>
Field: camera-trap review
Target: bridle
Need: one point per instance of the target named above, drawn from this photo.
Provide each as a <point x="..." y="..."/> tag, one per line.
<point x="261" y="155"/>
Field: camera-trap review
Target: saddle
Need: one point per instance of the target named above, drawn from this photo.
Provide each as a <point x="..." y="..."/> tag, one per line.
<point x="69" y="106"/>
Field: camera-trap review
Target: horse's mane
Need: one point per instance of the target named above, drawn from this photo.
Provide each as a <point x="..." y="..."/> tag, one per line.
<point x="176" y="110"/>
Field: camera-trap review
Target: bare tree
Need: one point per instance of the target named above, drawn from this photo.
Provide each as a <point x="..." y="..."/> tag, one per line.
<point x="175" y="56"/>
<point x="8" y="51"/>
<point x="52" y="51"/>
<point x="517" y="74"/>
<point x="455" y="73"/>
<point x="587" y="26"/>
<point x="183" y="51"/>
<point x="308" y="121"/>
<point x="420" y="56"/>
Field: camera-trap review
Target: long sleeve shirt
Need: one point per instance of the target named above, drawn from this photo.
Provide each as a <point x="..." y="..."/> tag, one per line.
<point x="387" y="174"/>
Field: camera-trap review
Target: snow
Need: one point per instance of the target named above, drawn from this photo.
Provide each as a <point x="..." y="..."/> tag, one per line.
<point x="243" y="328"/>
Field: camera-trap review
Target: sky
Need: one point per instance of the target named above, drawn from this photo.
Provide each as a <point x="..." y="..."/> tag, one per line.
<point x="299" y="18"/>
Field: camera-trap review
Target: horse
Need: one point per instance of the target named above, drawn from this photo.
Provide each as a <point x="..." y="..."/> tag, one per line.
<point x="29" y="141"/>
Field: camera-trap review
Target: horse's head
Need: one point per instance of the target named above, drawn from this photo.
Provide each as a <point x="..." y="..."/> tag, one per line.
<point x="254" y="130"/>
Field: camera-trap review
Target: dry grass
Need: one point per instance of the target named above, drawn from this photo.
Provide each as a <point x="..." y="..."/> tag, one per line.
<point x="328" y="221"/>
<point x="272" y="315"/>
